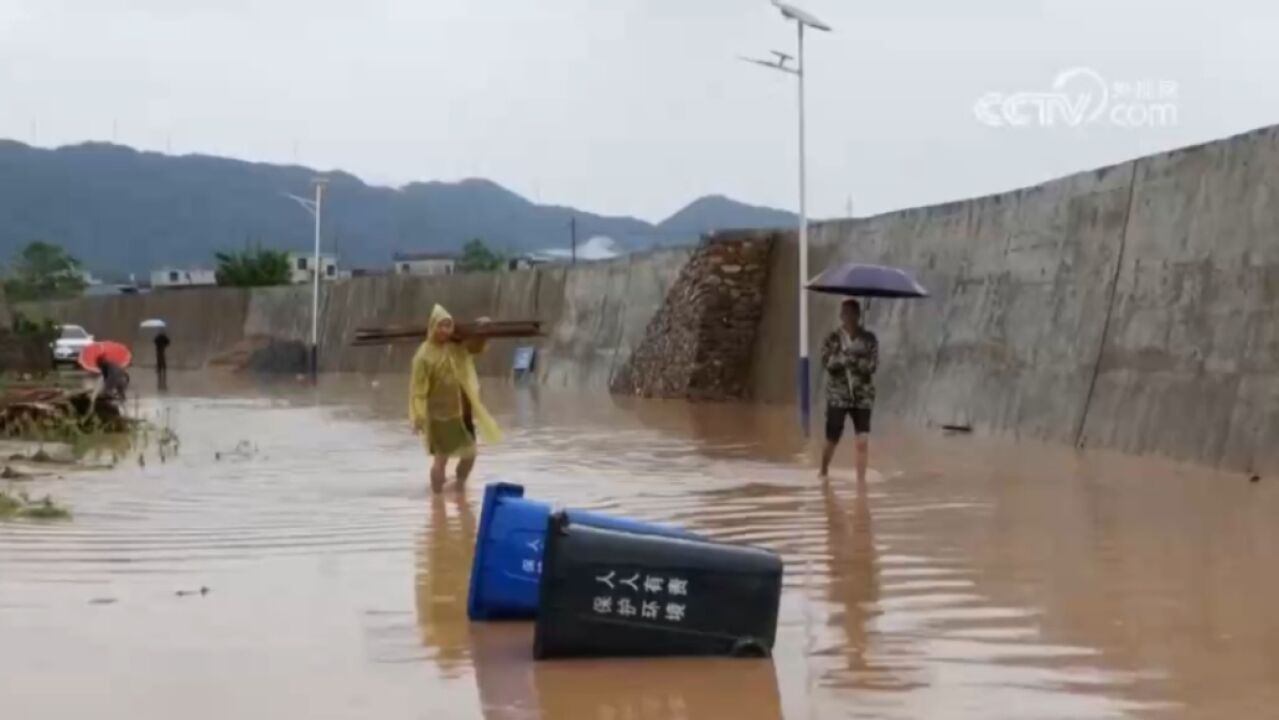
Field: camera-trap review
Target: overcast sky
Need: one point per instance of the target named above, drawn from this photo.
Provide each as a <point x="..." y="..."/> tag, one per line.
<point x="638" y="106"/>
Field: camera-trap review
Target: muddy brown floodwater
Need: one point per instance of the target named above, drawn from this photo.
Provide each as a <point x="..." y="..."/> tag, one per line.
<point x="966" y="579"/>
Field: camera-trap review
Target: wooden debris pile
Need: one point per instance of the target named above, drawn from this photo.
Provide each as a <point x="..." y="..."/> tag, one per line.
<point x="31" y="409"/>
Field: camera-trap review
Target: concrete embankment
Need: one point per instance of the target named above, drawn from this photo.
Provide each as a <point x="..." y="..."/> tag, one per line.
<point x="1134" y="307"/>
<point x="593" y="313"/>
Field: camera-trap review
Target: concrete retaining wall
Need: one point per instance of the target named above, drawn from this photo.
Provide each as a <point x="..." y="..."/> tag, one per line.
<point x="594" y="315"/>
<point x="604" y="311"/>
<point x="1135" y="307"/>
<point x="202" y="322"/>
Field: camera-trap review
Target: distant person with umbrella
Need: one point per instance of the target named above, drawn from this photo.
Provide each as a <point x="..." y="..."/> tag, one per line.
<point x="161" y="342"/>
<point x="161" y="361"/>
<point x="108" y="360"/>
<point x="850" y="354"/>
<point x="114" y="381"/>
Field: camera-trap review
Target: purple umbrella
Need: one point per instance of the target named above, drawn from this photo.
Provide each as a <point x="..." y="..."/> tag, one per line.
<point x="859" y="280"/>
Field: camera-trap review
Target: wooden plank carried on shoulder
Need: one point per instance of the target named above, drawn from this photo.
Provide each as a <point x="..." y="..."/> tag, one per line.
<point x="462" y="331"/>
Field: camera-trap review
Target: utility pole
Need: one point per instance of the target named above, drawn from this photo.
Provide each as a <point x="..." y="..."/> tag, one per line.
<point x="572" y="229"/>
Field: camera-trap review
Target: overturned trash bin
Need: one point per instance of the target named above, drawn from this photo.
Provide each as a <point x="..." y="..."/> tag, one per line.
<point x="507" y="566"/>
<point x="611" y="593"/>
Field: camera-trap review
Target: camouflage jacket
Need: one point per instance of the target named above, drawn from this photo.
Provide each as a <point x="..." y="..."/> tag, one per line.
<point x="850" y="369"/>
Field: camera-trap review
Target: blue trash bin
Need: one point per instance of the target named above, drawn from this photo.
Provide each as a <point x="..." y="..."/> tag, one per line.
<point x="507" y="567"/>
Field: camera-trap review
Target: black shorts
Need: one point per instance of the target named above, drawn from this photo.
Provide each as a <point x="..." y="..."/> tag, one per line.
<point x="835" y="422"/>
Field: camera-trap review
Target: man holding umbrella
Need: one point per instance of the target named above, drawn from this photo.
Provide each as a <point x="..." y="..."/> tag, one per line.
<point x="850" y="355"/>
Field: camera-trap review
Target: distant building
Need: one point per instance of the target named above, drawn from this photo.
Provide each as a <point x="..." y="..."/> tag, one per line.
<point x="182" y="277"/>
<point x="302" y="267"/>
<point x="424" y="263"/>
<point x="524" y="262"/>
<point x="598" y="247"/>
<point x="103" y="289"/>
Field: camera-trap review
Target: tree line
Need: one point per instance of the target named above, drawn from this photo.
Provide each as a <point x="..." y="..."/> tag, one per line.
<point x="46" y="271"/>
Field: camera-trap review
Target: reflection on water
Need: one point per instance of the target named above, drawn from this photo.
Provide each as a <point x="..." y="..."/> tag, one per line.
<point x="852" y="579"/>
<point x="965" y="579"/>
<point x="443" y="575"/>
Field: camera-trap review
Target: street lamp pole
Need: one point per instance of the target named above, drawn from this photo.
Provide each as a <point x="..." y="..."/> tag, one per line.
<point x="802" y="19"/>
<point x="315" y="285"/>
<point x="804" y="383"/>
<point x="316" y="208"/>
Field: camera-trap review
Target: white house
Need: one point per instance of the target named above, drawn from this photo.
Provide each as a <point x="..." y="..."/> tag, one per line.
<point x="424" y="263"/>
<point x="183" y="277"/>
<point x="302" y="267"/>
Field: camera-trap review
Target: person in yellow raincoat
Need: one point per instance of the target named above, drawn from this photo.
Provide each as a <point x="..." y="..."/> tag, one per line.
<point x="444" y="401"/>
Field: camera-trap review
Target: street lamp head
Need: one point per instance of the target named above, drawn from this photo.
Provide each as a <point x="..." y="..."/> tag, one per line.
<point x="803" y="17"/>
<point x="778" y="64"/>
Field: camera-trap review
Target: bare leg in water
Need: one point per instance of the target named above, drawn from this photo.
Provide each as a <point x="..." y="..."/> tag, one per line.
<point x="863" y="456"/>
<point x="467" y="463"/>
<point x="828" y="454"/>
<point x="464" y="468"/>
<point x="439" y="470"/>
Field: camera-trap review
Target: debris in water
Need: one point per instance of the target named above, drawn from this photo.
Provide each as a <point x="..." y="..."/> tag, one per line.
<point x="957" y="428"/>
<point x="22" y="506"/>
<point x="243" y="450"/>
<point x="1256" y="478"/>
<point x="38" y="411"/>
<point x="184" y="593"/>
<point x="103" y="601"/>
<point x="10" y="474"/>
<point x="39" y="456"/>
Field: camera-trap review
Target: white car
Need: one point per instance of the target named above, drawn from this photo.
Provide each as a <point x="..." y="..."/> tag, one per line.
<point x="72" y="339"/>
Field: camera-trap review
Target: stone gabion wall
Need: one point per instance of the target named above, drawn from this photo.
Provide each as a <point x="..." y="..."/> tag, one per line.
<point x="699" y="344"/>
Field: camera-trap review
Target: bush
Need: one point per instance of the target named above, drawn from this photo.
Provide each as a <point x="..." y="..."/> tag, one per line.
<point x="253" y="268"/>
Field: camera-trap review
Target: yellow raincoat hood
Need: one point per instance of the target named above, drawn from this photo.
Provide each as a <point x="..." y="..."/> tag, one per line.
<point x="456" y="359"/>
<point x="438" y="315"/>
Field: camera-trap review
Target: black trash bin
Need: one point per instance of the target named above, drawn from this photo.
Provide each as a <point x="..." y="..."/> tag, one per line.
<point x="614" y="593"/>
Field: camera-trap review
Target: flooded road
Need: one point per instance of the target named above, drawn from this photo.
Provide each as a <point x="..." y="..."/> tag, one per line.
<point x="966" y="579"/>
